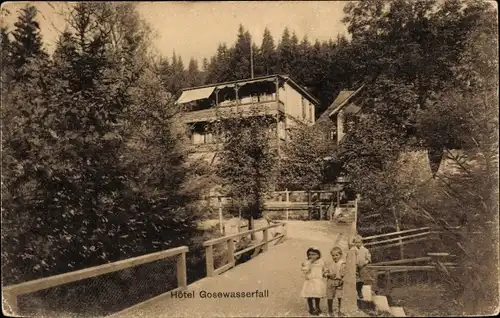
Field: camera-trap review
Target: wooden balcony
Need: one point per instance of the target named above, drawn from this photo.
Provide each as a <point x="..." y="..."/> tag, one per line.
<point x="211" y="114"/>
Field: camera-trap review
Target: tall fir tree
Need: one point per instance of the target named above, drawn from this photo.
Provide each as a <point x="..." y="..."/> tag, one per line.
<point x="301" y="70"/>
<point x="27" y="42"/>
<point x="267" y="59"/>
<point x="193" y="73"/>
<point x="240" y="57"/>
<point x="219" y="67"/>
<point x="285" y="53"/>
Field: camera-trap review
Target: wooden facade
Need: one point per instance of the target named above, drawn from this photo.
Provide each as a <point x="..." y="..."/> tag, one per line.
<point x="276" y="96"/>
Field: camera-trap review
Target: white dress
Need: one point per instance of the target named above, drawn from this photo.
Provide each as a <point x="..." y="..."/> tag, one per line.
<point x="314" y="286"/>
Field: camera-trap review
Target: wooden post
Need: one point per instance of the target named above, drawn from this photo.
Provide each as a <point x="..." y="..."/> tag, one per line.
<point x="277" y="91"/>
<point x="236" y="88"/>
<point x="181" y="271"/>
<point x="209" y="255"/>
<point x="355" y="223"/>
<point x="10" y="303"/>
<point x="221" y="227"/>
<point x="265" y="239"/>
<point x="401" y="248"/>
<point x="287" y="200"/>
<point x="309" y="203"/>
<point x="278" y="136"/>
<point x="349" y="300"/>
<point x="388" y="283"/>
<point x="230" y="251"/>
<point x="330" y="209"/>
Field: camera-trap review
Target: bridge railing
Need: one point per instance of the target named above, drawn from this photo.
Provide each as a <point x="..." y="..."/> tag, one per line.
<point x="434" y="262"/>
<point x="229" y="241"/>
<point x="397" y="238"/>
<point x="11" y="293"/>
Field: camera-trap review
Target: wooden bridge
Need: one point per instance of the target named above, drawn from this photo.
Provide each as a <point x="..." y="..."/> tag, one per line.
<point x="271" y="281"/>
<point x="267" y="285"/>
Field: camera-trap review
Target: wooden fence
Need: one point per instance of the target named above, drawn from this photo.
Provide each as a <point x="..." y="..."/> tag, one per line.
<point x="397" y="238"/>
<point x="292" y="201"/>
<point x="229" y="241"/>
<point x="11" y="293"/>
<point x="431" y="263"/>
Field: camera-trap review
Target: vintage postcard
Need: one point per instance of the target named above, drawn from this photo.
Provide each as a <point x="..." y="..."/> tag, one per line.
<point x="250" y="158"/>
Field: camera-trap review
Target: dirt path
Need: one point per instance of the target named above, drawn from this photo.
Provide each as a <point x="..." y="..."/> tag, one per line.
<point x="276" y="271"/>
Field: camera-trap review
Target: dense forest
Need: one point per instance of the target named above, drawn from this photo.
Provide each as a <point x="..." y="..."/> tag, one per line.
<point x="95" y="164"/>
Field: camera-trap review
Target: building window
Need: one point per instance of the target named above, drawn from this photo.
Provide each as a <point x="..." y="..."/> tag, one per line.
<point x="209" y="138"/>
<point x="198" y="138"/>
<point x="311" y="113"/>
<point x="202" y="138"/>
<point x="332" y="134"/>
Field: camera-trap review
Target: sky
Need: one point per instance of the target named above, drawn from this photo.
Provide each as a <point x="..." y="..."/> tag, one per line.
<point x="195" y="29"/>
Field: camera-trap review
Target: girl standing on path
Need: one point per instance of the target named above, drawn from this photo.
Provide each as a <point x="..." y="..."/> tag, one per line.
<point x="335" y="279"/>
<point x="314" y="287"/>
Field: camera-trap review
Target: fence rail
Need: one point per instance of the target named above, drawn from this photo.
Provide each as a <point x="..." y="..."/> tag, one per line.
<point x="12" y="292"/>
<point x="433" y="262"/>
<point x="230" y="248"/>
<point x="411" y="236"/>
<point x="367" y="238"/>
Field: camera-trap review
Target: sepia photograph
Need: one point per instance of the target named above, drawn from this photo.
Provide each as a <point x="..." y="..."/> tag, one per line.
<point x="250" y="158"/>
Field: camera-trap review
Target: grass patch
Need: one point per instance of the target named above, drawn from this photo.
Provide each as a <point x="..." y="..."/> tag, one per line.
<point x="425" y="300"/>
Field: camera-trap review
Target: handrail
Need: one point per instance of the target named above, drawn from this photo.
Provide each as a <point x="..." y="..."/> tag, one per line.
<point x="396" y="239"/>
<point x="13" y="291"/>
<point x="401" y="267"/>
<point x="238" y="235"/>
<point x="230" y="248"/>
<point x="394" y="233"/>
<point x="403" y="261"/>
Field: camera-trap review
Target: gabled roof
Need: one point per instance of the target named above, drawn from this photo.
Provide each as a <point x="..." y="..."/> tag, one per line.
<point x="204" y="91"/>
<point x="342" y="96"/>
<point x="343" y="101"/>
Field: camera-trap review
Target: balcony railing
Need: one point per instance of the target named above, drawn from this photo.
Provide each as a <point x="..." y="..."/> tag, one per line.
<point x="207" y="147"/>
<point x="264" y="107"/>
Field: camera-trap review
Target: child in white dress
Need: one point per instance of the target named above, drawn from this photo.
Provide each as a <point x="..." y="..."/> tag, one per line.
<point x="314" y="287"/>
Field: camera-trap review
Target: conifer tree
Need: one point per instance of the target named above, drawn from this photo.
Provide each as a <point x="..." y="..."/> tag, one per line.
<point x="27" y="42"/>
<point x="193" y="74"/>
<point x="219" y="67"/>
<point x="240" y="57"/>
<point x="285" y="53"/>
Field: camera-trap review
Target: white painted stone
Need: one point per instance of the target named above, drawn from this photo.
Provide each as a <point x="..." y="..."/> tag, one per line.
<point x="367" y="292"/>
<point x="381" y="303"/>
<point x="398" y="312"/>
